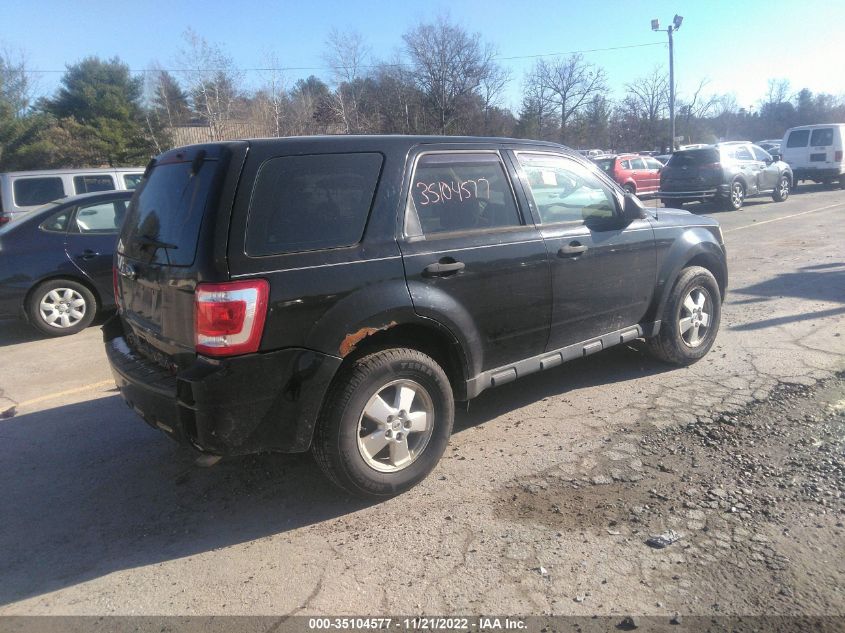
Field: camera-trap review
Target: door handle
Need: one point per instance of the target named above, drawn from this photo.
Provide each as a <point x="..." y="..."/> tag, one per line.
<point x="89" y="254"/>
<point x="445" y="266"/>
<point x="572" y="249"/>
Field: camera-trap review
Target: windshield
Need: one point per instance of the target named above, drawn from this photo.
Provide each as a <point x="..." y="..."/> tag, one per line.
<point x="165" y="214"/>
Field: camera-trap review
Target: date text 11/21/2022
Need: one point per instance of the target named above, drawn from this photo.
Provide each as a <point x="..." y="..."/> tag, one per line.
<point x="418" y="623"/>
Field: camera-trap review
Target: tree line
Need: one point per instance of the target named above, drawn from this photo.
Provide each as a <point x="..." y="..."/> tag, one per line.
<point x="444" y="80"/>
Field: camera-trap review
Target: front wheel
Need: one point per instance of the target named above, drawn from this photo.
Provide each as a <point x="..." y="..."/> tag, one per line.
<point x="690" y="318"/>
<point x="385" y="423"/>
<point x="60" y="307"/>
<point x="781" y="191"/>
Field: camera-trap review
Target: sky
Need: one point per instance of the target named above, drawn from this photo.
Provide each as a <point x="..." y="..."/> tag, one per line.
<point x="736" y="46"/>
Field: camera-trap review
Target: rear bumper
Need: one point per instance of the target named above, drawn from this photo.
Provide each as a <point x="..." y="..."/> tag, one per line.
<point x="816" y="173"/>
<point x="700" y="194"/>
<point x="236" y="406"/>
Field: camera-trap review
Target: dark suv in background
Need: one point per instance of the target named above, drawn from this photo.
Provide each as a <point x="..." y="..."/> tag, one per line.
<point x="727" y="173"/>
<point x="341" y="293"/>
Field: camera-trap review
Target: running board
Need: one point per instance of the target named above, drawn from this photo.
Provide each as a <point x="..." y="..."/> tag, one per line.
<point x="547" y="360"/>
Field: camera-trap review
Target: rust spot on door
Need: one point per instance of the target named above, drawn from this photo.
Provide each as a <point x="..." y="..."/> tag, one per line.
<point x="350" y="341"/>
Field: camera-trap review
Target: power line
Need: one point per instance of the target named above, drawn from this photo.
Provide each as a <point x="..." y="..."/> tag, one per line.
<point x="383" y="65"/>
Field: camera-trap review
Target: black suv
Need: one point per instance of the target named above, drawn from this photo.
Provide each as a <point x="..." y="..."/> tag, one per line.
<point x="341" y="293"/>
<point x="726" y="172"/>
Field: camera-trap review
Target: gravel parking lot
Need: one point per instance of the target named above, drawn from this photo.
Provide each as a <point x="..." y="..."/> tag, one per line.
<point x="542" y="503"/>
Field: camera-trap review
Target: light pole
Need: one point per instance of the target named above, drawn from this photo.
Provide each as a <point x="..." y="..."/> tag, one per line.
<point x="676" y="24"/>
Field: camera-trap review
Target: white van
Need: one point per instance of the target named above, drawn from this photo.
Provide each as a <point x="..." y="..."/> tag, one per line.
<point x="26" y="190"/>
<point x="815" y="152"/>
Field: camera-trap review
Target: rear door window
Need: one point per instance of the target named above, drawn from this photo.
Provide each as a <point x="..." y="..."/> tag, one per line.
<point x="102" y="217"/>
<point x="30" y="192"/>
<point x="165" y="215"/>
<point x="92" y="183"/>
<point x="456" y="191"/>
<point x="131" y="181"/>
<point x="822" y="137"/>
<point x="637" y="163"/>
<point x="798" y="138"/>
<point x="307" y="203"/>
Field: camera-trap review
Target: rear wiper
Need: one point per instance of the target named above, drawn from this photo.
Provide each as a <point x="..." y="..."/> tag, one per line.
<point x="146" y="240"/>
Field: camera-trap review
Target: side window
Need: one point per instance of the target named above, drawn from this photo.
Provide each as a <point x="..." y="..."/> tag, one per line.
<point x="306" y="203"/>
<point x="798" y="138"/>
<point x="760" y="153"/>
<point x="57" y="223"/>
<point x="823" y="137"/>
<point x="89" y="184"/>
<point x="637" y="163"/>
<point x="455" y="191"/>
<point x="103" y="217"/>
<point x="566" y="191"/>
<point x="625" y="164"/>
<point x="131" y="181"/>
<point x="651" y="163"/>
<point x="30" y="192"/>
<point x="743" y="153"/>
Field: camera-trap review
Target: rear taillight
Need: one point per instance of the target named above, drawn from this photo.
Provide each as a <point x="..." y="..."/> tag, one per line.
<point x="4" y="219"/>
<point x="115" y="287"/>
<point x="229" y="317"/>
<point x="837" y="156"/>
<point x="712" y="166"/>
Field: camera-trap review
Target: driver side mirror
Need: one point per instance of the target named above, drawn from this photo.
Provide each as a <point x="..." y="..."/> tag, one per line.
<point x="775" y="157"/>
<point x="632" y="208"/>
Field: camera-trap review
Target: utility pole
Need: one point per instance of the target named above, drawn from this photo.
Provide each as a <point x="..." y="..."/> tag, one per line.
<point x="676" y="24"/>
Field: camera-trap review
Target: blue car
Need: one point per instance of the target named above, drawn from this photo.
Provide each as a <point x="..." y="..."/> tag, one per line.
<point x="56" y="262"/>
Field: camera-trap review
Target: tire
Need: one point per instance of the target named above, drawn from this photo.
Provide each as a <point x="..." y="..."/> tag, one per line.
<point x="60" y="307"/>
<point x="363" y="454"/>
<point x="736" y="196"/>
<point x="684" y="347"/>
<point x="781" y="191"/>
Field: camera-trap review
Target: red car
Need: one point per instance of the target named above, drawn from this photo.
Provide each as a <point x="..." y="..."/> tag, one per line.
<point x="638" y="174"/>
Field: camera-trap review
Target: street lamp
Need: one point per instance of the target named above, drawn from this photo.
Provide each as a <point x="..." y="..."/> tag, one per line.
<point x="676" y="24"/>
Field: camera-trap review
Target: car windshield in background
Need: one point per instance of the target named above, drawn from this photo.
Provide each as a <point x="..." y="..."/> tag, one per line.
<point x="163" y="222"/>
<point x="694" y="157"/>
<point x="605" y="164"/>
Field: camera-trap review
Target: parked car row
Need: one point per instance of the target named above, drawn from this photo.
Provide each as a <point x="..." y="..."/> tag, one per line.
<point x="27" y="190"/>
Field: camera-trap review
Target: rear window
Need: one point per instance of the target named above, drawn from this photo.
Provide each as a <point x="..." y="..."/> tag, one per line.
<point x="164" y="217"/>
<point x="694" y="158"/>
<point x="90" y="184"/>
<point x="30" y="192"/>
<point x="823" y="137"/>
<point x="606" y="164"/>
<point x="131" y="181"/>
<point x="798" y="138"/>
<point x="306" y="203"/>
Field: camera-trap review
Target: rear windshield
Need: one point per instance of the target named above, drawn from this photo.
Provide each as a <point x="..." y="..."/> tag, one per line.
<point x="694" y="157"/>
<point x="304" y="203"/>
<point x="823" y="137"/>
<point x="163" y="221"/>
<point x="31" y="192"/>
<point x="605" y="163"/>
<point x="798" y="138"/>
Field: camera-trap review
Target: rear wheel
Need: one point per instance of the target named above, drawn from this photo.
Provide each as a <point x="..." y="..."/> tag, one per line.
<point x="781" y="191"/>
<point x="690" y="319"/>
<point x="60" y="307"/>
<point x="736" y="197"/>
<point x="385" y="423"/>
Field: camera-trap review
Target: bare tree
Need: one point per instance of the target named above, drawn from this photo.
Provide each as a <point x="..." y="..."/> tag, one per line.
<point x="16" y="82"/>
<point x="573" y="83"/>
<point x="346" y="56"/>
<point x="537" y="104"/>
<point x="492" y="87"/>
<point x="213" y="82"/>
<point x="271" y="98"/>
<point x="777" y="91"/>
<point x="448" y="65"/>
